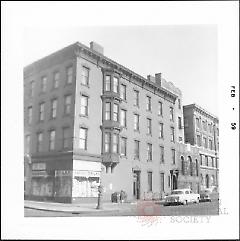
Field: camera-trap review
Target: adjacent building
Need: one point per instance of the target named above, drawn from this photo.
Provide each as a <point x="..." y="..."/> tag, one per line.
<point x="89" y="121"/>
<point x="201" y="130"/>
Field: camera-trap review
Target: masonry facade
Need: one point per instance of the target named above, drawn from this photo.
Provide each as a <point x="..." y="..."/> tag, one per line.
<point x="202" y="130"/>
<point x="89" y="120"/>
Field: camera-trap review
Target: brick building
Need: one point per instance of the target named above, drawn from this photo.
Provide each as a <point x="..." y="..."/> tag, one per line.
<point x="201" y="130"/>
<point x="89" y="119"/>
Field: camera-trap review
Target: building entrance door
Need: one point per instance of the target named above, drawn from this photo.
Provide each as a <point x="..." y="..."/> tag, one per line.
<point x="174" y="182"/>
<point x="136" y="184"/>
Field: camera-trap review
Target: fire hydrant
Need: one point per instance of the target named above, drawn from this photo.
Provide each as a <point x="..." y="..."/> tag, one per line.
<point x="100" y="193"/>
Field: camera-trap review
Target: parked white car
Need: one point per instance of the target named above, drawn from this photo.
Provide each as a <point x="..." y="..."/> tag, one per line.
<point x="181" y="196"/>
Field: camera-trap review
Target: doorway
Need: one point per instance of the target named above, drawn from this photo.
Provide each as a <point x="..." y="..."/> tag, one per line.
<point x="174" y="182"/>
<point x="136" y="184"/>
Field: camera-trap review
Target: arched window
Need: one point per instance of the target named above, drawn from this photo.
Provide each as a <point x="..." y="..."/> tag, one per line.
<point x="182" y="165"/>
<point x="207" y="181"/>
<point x="201" y="179"/>
<point x="213" y="180"/>
<point x="190" y="165"/>
<point x="196" y="161"/>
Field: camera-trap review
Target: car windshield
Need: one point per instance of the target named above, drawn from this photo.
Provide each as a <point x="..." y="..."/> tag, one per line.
<point x="177" y="192"/>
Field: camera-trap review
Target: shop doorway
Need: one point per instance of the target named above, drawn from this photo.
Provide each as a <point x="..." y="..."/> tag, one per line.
<point x="136" y="184"/>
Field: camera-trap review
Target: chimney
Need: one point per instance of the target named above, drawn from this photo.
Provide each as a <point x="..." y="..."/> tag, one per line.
<point x="151" y="78"/>
<point x="158" y="78"/>
<point x="96" y="47"/>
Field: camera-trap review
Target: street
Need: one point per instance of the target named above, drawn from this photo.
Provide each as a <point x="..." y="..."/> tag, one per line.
<point x="141" y="208"/>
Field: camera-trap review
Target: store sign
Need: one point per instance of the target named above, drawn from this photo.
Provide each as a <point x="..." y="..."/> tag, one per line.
<point x="39" y="166"/>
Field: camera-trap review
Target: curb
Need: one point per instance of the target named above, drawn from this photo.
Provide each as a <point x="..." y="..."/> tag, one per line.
<point x="72" y="211"/>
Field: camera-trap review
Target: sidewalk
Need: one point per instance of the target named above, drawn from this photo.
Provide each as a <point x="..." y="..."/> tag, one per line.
<point x="77" y="208"/>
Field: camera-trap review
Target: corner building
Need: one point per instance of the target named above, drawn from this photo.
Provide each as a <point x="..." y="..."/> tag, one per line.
<point x="89" y="120"/>
<point x="201" y="130"/>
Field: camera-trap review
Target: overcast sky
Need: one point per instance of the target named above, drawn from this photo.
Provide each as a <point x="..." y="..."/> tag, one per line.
<point x="184" y="54"/>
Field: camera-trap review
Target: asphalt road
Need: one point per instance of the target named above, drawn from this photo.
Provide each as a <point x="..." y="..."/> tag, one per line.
<point x="140" y="209"/>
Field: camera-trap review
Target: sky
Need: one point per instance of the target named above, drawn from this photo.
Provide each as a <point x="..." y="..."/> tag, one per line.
<point x="185" y="54"/>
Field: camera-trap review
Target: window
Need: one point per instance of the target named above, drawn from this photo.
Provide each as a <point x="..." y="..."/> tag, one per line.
<point x="217" y="132"/>
<point x="108" y="83"/>
<point x="108" y="111"/>
<point x="69" y="75"/>
<point x="67" y="104"/>
<point x="198" y="140"/>
<point x="52" y="134"/>
<point x="183" y="165"/>
<point x="84" y="105"/>
<point x="196" y="164"/>
<point x="41" y="112"/>
<point x="173" y="156"/>
<point x="115" y="143"/>
<point x="123" y="120"/>
<point x="115" y="84"/>
<point x="179" y="104"/>
<point x="66" y="137"/>
<point x="197" y="123"/>
<point x="206" y="160"/>
<point x="161" y="154"/>
<point x="160" y="108"/>
<point x="204" y="124"/>
<point x="85" y="76"/>
<point x="190" y="163"/>
<point x="149" y="126"/>
<point x="205" y="142"/>
<point x="28" y="139"/>
<point x="149" y="106"/>
<point x="162" y="182"/>
<point x="172" y="134"/>
<point x="39" y="142"/>
<point x="136" y="97"/>
<point x="149" y="152"/>
<point x="136" y="122"/>
<point x="54" y="108"/>
<point x="30" y="115"/>
<point x="124" y="146"/>
<point x="171" y="113"/>
<point x="83" y="138"/>
<point x="179" y="123"/>
<point x="210" y="144"/>
<point x="169" y="181"/>
<point x="161" y="130"/>
<point x="123" y="93"/>
<point x="56" y="77"/>
<point x="149" y="181"/>
<point x="107" y="141"/>
<point x="210" y="128"/>
<point x="44" y="84"/>
<point x="212" y="161"/>
<point x="115" y="112"/>
<point x="31" y="91"/>
<point x="136" y="149"/>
